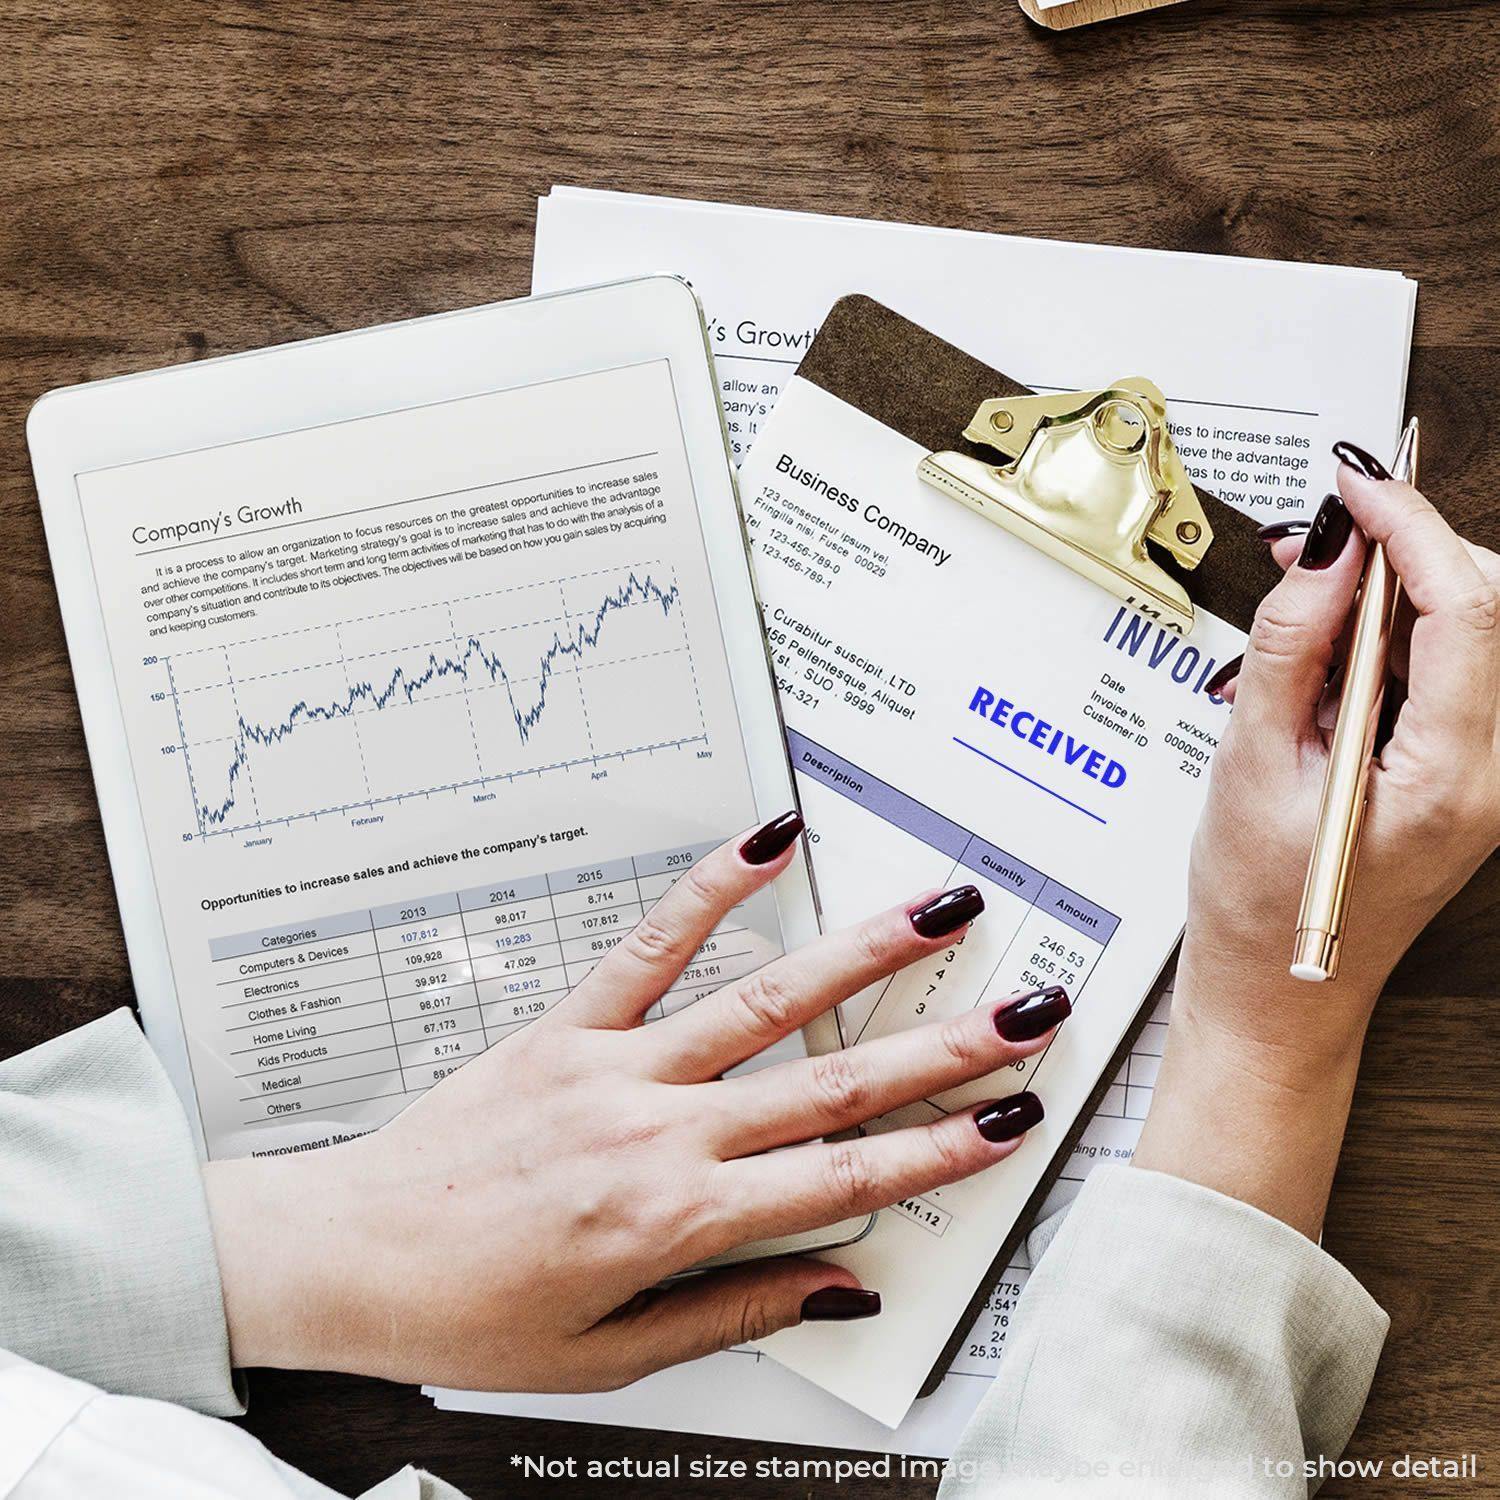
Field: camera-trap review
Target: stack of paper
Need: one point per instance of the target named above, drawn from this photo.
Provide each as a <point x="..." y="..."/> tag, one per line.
<point x="1265" y="364"/>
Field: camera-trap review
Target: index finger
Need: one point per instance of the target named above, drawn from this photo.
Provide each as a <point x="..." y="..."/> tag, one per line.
<point x="642" y="966"/>
<point x="1454" y="673"/>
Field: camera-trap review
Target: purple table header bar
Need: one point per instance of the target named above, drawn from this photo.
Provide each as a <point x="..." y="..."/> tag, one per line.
<point x="911" y="816"/>
<point x="1003" y="869"/>
<point x="1080" y="914"/>
<point x="877" y="796"/>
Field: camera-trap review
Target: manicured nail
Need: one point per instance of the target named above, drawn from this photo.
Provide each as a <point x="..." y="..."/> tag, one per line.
<point x="948" y="912"/>
<point x="1034" y="1014"/>
<point x="1008" y="1118"/>
<point x="1221" y="679"/>
<point x="1360" y="461"/>
<point x="839" y="1304"/>
<point x="1279" y="529"/>
<point x="768" y="843"/>
<point x="1328" y="536"/>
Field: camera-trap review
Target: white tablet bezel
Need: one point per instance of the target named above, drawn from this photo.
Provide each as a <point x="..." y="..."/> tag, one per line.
<point x="342" y="377"/>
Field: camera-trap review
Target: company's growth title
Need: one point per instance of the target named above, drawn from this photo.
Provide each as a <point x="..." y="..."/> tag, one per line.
<point x="213" y="524"/>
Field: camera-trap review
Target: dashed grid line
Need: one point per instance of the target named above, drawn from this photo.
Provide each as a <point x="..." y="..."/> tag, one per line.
<point x="468" y="707"/>
<point x="408" y="609"/>
<point x="440" y="640"/>
<point x="459" y="786"/>
<point x="583" y="702"/>
<point x="359" y="744"/>
<point x="234" y="698"/>
<point x="692" y="665"/>
<point x="484" y="687"/>
<point x="187" y="759"/>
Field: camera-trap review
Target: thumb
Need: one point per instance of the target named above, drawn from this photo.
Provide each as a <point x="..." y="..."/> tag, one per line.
<point x="1291" y="643"/>
<point x="719" y="1309"/>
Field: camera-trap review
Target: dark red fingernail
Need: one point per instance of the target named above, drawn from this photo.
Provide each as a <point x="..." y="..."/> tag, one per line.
<point x="772" y="841"/>
<point x="839" y="1304"/>
<point x="1360" y="461"/>
<point x="1221" y="679"/>
<point x="1034" y="1014"/>
<point x="1279" y="529"/>
<point x="1328" y="536"/>
<point x="1007" y="1118"/>
<point x="948" y="912"/>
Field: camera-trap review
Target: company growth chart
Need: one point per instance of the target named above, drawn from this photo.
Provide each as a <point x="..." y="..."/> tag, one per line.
<point x="396" y="691"/>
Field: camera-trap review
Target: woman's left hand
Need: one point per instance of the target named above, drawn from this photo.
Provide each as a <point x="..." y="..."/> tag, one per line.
<point x="510" y="1229"/>
<point x="1260" y="1067"/>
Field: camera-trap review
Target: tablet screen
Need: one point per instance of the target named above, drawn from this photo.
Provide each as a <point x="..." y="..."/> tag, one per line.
<point x="423" y="711"/>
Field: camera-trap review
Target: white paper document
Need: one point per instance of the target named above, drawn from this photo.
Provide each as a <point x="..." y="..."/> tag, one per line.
<point x="1265" y="365"/>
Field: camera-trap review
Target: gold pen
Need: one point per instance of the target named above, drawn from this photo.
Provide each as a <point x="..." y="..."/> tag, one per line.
<point x="1341" y="815"/>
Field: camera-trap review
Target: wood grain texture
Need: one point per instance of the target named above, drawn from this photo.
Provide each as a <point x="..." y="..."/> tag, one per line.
<point x="1087" y="12"/>
<point x="186" y="179"/>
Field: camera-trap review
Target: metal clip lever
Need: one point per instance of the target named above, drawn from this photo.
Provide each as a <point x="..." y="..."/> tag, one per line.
<point x="1088" y="477"/>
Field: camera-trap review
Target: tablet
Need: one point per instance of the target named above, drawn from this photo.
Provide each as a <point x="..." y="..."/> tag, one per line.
<point x="414" y="664"/>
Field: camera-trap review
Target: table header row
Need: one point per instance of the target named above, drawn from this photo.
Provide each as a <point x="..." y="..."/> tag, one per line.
<point x="477" y="898"/>
<point x="895" y="807"/>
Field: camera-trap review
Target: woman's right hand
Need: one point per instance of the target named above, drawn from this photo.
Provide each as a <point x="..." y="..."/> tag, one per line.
<point x="1260" y="1067"/>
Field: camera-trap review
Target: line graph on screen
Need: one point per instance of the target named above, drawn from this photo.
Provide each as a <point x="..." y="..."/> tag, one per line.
<point x="440" y="697"/>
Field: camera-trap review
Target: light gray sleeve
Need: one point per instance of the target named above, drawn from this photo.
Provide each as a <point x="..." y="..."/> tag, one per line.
<point x="1173" y="1342"/>
<point x="413" y="1484"/>
<point x="107" y="1265"/>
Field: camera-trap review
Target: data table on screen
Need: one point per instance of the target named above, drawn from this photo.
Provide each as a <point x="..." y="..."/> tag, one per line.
<point x="383" y="1002"/>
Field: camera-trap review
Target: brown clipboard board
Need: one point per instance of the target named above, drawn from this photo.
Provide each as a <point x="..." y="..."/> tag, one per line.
<point x="917" y="384"/>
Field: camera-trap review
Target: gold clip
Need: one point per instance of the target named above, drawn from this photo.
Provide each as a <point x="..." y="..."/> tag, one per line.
<point x="1088" y="478"/>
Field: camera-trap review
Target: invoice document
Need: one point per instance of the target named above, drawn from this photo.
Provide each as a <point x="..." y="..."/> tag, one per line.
<point x="1273" y="362"/>
<point x="962" y="709"/>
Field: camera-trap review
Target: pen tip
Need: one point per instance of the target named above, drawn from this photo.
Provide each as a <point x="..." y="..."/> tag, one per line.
<point x="1404" y="466"/>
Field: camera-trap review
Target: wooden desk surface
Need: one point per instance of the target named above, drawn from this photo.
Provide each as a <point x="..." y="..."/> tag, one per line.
<point x="186" y="179"/>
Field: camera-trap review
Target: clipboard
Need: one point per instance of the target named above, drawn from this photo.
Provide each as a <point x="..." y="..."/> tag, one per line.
<point x="917" y="384"/>
<point x="925" y="388"/>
